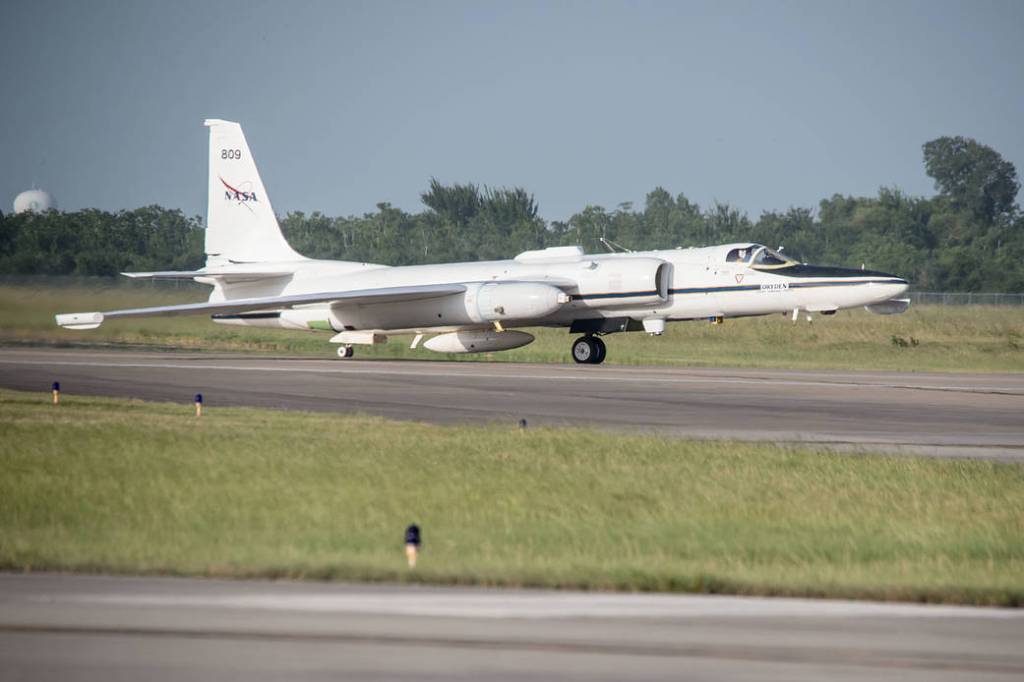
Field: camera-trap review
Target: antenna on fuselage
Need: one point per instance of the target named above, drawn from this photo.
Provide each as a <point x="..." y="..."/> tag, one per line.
<point x="613" y="247"/>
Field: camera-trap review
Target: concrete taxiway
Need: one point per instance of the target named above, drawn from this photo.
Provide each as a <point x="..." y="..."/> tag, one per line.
<point x="63" y="627"/>
<point x="976" y="415"/>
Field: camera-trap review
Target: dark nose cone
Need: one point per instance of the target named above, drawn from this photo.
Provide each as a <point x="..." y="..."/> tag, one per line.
<point x="827" y="272"/>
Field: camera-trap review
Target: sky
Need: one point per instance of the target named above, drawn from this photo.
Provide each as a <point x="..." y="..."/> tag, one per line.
<point x="763" y="105"/>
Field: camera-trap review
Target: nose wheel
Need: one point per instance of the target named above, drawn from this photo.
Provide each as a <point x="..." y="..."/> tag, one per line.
<point x="589" y="350"/>
<point x="346" y="352"/>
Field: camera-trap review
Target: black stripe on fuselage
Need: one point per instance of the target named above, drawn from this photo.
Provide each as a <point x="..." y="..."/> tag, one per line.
<point x="789" y="285"/>
<point x="247" y="316"/>
<point x="751" y="287"/>
<point x="618" y="294"/>
<point x="745" y="287"/>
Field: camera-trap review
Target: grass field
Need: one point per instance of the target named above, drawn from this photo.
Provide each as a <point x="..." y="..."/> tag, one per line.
<point x="928" y="338"/>
<point x="110" y="485"/>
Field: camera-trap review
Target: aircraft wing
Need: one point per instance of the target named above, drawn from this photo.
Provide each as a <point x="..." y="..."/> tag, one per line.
<point x="356" y="296"/>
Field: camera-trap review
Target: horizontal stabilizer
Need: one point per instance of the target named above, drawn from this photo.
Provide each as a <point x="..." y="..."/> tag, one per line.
<point x="225" y="275"/>
<point x="354" y="297"/>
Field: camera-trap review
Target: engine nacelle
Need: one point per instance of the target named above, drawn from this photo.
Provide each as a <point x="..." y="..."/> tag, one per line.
<point x="478" y="341"/>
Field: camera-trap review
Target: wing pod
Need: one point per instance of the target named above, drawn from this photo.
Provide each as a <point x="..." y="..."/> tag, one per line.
<point x="497" y="301"/>
<point x="80" y="321"/>
<point x="480" y="304"/>
<point x="478" y="341"/>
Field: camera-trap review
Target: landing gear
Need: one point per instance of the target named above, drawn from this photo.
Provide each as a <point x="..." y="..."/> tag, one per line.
<point x="602" y="350"/>
<point x="589" y="350"/>
<point x="346" y="352"/>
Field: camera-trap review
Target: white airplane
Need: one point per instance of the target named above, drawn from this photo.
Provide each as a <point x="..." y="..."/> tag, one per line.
<point x="258" y="280"/>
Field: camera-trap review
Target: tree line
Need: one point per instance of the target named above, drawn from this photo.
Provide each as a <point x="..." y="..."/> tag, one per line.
<point x="969" y="236"/>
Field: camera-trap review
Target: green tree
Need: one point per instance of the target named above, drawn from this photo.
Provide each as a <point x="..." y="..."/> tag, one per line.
<point x="972" y="176"/>
<point x="458" y="204"/>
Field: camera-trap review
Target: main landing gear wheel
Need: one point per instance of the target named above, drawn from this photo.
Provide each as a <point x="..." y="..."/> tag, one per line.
<point x="589" y="350"/>
<point x="346" y="352"/>
<point x="602" y="350"/>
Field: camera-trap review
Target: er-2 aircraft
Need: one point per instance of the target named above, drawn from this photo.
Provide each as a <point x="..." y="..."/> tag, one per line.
<point x="258" y="280"/>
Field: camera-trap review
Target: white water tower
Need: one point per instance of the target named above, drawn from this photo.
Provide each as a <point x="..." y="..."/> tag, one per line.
<point x="33" y="200"/>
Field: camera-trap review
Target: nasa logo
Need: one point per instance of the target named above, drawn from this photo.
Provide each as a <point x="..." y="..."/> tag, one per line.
<point x="235" y="194"/>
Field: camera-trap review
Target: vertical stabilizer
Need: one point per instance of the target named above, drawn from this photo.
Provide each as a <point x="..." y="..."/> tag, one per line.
<point x="240" y="222"/>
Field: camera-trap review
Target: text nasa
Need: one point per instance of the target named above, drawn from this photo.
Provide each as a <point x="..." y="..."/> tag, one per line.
<point x="232" y="193"/>
<point x="239" y="195"/>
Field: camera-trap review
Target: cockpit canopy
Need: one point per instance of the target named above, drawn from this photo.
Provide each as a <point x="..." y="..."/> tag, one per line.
<point x="758" y="257"/>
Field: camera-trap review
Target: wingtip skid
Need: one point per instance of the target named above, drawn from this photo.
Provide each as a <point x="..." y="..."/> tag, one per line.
<point x="80" y="320"/>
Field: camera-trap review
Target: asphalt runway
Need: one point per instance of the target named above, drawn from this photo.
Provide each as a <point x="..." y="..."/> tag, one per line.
<point x="975" y="415"/>
<point x="66" y="627"/>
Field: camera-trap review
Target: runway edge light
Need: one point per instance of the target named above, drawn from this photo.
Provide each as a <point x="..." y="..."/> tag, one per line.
<point x="56" y="392"/>
<point x="412" y="544"/>
<point x="199" y="404"/>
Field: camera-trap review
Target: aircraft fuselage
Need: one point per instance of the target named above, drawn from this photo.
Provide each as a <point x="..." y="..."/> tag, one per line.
<point x="669" y="285"/>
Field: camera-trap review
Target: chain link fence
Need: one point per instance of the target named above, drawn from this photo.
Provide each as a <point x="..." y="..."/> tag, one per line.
<point x="958" y="298"/>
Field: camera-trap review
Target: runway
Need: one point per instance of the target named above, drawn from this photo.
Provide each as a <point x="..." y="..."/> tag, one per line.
<point x="975" y="415"/>
<point x="65" y="627"/>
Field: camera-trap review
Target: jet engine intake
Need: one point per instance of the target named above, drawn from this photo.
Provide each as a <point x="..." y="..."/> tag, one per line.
<point x="604" y="283"/>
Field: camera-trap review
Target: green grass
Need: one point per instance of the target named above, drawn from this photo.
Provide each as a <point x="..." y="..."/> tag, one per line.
<point x="927" y="338"/>
<point x="122" y="486"/>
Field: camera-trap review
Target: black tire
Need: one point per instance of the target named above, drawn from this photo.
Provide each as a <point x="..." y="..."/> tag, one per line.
<point x="602" y="350"/>
<point x="584" y="351"/>
<point x="346" y="352"/>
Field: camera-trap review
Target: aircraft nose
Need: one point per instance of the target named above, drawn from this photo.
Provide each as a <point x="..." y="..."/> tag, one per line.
<point x="886" y="283"/>
<point x="899" y="285"/>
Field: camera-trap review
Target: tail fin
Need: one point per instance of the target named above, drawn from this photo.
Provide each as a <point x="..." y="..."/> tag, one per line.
<point x="241" y="224"/>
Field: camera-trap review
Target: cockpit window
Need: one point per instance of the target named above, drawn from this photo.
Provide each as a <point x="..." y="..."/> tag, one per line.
<point x="738" y="255"/>
<point x="757" y="256"/>
<point x="766" y="258"/>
